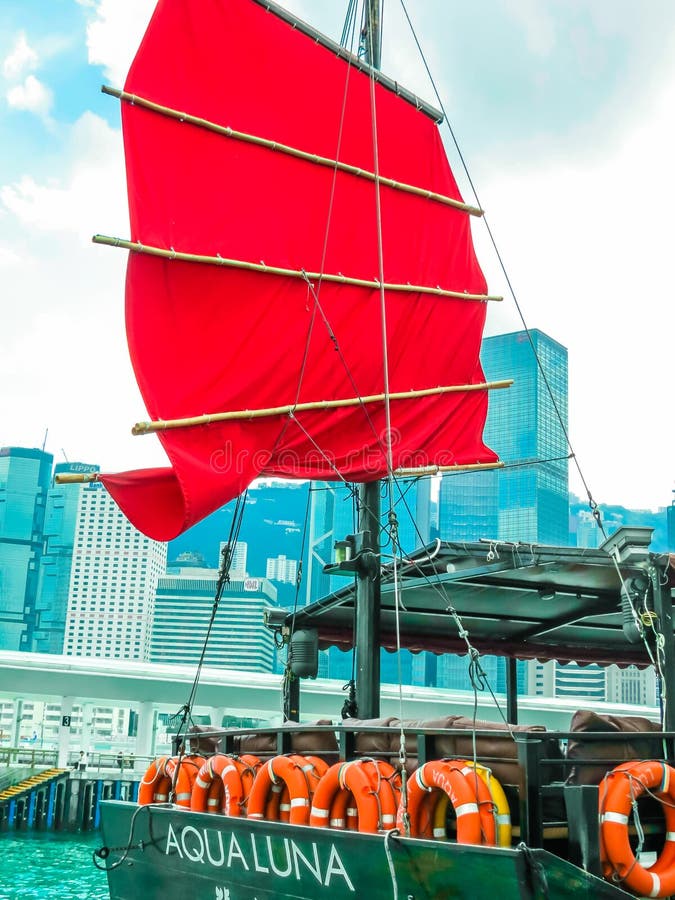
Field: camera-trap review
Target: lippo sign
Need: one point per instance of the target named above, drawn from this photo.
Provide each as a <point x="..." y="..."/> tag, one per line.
<point x="280" y="857"/>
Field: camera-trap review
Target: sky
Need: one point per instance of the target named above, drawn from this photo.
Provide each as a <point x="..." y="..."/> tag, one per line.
<point x="563" y="111"/>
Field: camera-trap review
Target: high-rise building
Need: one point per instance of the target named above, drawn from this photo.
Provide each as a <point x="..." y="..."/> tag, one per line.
<point x="333" y="516"/>
<point x="631" y="685"/>
<point x="238" y="639"/>
<point x="527" y="500"/>
<point x="238" y="561"/>
<point x="273" y="522"/>
<point x="113" y="579"/>
<point x="24" y="482"/>
<point x="63" y="502"/>
<point x="282" y="569"/>
<point x="554" y="679"/>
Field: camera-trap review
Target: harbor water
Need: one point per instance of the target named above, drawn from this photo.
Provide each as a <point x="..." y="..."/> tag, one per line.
<point x="50" y="866"/>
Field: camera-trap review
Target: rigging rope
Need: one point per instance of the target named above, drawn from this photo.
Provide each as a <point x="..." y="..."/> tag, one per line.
<point x="185" y="712"/>
<point x="591" y="502"/>
<point x="391" y="516"/>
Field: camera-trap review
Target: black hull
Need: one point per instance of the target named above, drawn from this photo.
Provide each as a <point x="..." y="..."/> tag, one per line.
<point x="186" y="855"/>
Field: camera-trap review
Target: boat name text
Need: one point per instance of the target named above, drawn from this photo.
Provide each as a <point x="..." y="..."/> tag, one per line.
<point x="283" y="859"/>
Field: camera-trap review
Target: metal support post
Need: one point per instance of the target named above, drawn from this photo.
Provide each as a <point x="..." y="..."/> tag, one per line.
<point x="368" y="605"/>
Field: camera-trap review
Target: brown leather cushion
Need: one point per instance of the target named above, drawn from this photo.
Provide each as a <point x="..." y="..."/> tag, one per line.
<point x="305" y="741"/>
<point x="499" y="753"/>
<point x="613" y="752"/>
<point x="388" y="743"/>
<point x="200" y="740"/>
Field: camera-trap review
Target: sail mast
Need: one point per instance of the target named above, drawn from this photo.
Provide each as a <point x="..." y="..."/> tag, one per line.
<point x="367" y="639"/>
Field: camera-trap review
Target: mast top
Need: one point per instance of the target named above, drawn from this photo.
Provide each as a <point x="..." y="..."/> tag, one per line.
<point x="355" y="61"/>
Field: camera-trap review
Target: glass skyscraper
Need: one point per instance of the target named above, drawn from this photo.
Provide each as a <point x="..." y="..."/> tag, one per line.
<point x="333" y="516"/>
<point x="24" y="482"/>
<point x="63" y="501"/>
<point x="527" y="500"/>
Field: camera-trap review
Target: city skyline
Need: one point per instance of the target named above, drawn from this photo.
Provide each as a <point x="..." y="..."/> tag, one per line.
<point x="105" y="590"/>
<point x="580" y="98"/>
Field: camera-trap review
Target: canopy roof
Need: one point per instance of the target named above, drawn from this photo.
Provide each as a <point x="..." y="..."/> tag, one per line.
<point x="521" y="600"/>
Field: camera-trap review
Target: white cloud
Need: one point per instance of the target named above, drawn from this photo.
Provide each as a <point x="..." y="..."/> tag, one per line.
<point x="113" y="37"/>
<point x="587" y="242"/>
<point x="32" y="95"/>
<point x="538" y="25"/>
<point x="9" y="257"/>
<point x="22" y="58"/>
<point x="90" y="198"/>
<point x="63" y="319"/>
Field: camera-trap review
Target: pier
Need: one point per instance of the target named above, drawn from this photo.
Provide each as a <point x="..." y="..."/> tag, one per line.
<point x="60" y="799"/>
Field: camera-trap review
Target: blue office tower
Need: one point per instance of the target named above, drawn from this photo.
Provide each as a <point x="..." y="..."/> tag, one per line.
<point x="62" y="506"/>
<point x="526" y="501"/>
<point x="333" y="516"/>
<point x="24" y="482"/>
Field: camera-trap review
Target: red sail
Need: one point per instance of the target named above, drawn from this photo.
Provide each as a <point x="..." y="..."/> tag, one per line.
<point x="208" y="338"/>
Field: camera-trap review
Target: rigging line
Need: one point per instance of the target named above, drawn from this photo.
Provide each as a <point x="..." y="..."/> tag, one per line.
<point x="310" y="287"/>
<point x="322" y="452"/>
<point x="387" y="400"/>
<point x="349" y="24"/>
<point x="223" y="577"/>
<point x="348" y="371"/>
<point x="298" y="580"/>
<point x="474" y="655"/>
<point x="593" y="505"/>
<point x="315" y="292"/>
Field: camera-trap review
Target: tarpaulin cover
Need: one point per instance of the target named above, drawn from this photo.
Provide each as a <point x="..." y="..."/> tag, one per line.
<point x="208" y="339"/>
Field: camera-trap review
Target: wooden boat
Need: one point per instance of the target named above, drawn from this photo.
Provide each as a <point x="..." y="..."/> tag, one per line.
<point x="303" y="300"/>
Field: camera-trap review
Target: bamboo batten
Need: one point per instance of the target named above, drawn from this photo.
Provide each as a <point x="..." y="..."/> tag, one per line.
<point x="291" y="409"/>
<point x="356" y="171"/>
<point x="437" y="470"/>
<point x="137" y="247"/>
<point x="76" y="477"/>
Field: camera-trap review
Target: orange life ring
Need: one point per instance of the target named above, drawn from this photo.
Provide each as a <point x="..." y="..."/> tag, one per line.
<point x="278" y="805"/>
<point x="181" y="773"/>
<point x="349" y="778"/>
<point x="486" y="806"/>
<point x="343" y="812"/>
<point x="222" y="784"/>
<point x="386" y="783"/>
<point x="618" y="790"/>
<point x="148" y="790"/>
<point x="494" y="809"/>
<point x="275" y="771"/>
<point x="445" y="776"/>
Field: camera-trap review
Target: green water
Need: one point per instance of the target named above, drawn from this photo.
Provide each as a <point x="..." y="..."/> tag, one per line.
<point x="50" y="866"/>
